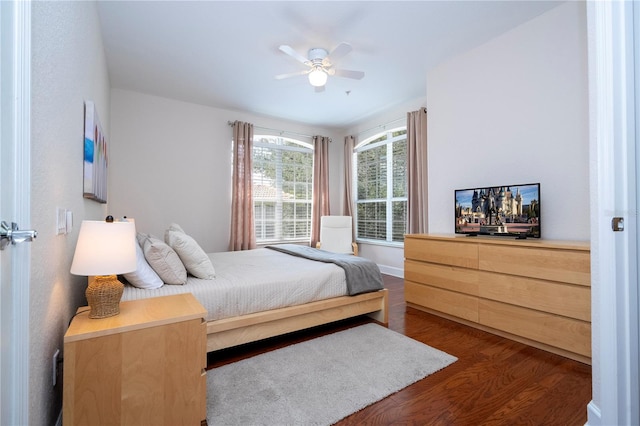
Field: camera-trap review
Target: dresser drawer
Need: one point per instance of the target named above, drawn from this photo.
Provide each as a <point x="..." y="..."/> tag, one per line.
<point x="568" y="300"/>
<point x="441" y="276"/>
<point x="443" y="252"/>
<point x="448" y="302"/>
<point x="560" y="332"/>
<point x="567" y="266"/>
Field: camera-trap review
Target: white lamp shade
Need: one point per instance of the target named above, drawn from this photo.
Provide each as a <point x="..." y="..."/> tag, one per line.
<point x="105" y="248"/>
<point x="317" y="77"/>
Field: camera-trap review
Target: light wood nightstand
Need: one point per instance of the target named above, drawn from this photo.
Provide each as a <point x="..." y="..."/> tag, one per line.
<point x="143" y="366"/>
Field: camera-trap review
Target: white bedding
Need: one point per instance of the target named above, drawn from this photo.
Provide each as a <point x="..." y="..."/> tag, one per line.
<point x="254" y="281"/>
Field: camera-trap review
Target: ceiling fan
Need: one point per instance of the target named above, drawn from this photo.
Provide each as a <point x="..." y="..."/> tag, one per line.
<point x="320" y="65"/>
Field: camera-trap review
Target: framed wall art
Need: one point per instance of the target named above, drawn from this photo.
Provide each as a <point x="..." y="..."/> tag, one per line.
<point x="95" y="156"/>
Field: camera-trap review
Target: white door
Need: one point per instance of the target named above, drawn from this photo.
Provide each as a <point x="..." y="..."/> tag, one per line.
<point x="15" y="53"/>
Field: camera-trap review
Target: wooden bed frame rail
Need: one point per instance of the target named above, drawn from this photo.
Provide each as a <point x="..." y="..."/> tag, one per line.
<point x="229" y="332"/>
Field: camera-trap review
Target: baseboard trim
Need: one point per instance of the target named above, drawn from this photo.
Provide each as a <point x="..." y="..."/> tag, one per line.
<point x="594" y="417"/>
<point x="391" y="270"/>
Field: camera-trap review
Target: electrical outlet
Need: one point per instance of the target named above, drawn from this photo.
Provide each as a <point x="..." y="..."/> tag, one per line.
<point x="55" y="366"/>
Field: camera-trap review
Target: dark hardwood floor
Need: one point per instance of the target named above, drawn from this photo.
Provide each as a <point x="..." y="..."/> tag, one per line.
<point x="495" y="381"/>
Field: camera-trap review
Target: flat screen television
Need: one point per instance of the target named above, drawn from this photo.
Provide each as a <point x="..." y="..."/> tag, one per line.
<point x="509" y="210"/>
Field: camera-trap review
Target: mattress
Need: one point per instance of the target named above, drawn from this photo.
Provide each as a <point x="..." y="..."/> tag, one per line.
<point x="253" y="281"/>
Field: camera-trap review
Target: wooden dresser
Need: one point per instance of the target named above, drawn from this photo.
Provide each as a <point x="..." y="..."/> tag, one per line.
<point x="534" y="291"/>
<point x="143" y="366"/>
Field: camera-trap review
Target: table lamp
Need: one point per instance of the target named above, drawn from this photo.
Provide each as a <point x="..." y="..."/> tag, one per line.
<point x="105" y="249"/>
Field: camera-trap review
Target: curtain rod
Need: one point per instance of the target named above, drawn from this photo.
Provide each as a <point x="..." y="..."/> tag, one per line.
<point x="383" y="126"/>
<point x="380" y="126"/>
<point x="280" y="132"/>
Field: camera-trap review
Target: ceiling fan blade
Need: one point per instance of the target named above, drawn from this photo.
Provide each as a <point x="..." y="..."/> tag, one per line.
<point x="337" y="53"/>
<point x="319" y="89"/>
<point x="295" y="55"/>
<point x="349" y="74"/>
<point x="291" y="74"/>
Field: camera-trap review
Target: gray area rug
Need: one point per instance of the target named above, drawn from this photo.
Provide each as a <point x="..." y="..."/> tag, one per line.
<point x="320" y="381"/>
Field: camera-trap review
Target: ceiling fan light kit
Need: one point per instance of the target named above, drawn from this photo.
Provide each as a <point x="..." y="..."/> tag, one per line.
<point x="320" y="65"/>
<point x="317" y="77"/>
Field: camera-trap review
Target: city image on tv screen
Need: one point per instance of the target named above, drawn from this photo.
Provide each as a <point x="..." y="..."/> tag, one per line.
<point x="511" y="210"/>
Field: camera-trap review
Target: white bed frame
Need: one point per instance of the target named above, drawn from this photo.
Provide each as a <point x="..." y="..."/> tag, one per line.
<point x="228" y="332"/>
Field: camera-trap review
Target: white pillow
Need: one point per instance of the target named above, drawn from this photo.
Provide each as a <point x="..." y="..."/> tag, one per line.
<point x="176" y="227"/>
<point x="165" y="261"/>
<point x="142" y="238"/>
<point x="193" y="257"/>
<point x="144" y="276"/>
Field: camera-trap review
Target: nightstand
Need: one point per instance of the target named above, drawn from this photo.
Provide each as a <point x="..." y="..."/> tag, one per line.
<point x="143" y="366"/>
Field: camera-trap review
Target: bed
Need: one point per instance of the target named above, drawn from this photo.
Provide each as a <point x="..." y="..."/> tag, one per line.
<point x="261" y="293"/>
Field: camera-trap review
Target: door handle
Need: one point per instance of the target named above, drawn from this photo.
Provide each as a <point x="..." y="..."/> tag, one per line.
<point x="11" y="234"/>
<point x="617" y="224"/>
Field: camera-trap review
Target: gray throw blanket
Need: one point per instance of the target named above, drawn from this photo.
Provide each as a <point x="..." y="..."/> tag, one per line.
<point x="362" y="275"/>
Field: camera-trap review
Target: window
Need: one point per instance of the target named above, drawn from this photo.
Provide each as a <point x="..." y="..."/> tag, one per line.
<point x="381" y="187"/>
<point x="282" y="186"/>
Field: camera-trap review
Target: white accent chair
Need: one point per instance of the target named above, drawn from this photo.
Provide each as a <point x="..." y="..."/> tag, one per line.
<point x="336" y="235"/>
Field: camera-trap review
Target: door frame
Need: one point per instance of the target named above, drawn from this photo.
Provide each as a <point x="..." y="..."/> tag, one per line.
<point x="14" y="310"/>
<point x="614" y="122"/>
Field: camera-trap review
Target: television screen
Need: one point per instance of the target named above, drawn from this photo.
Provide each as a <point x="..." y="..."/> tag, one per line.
<point x="512" y="210"/>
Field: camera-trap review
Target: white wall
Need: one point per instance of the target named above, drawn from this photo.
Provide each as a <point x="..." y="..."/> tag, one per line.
<point x="511" y="111"/>
<point x="68" y="67"/>
<point x="171" y="162"/>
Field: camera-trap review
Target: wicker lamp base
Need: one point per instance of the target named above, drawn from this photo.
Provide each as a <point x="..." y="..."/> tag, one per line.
<point x="104" y="294"/>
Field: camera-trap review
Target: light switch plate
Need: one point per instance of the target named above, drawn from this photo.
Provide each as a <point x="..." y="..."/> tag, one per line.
<point x="69" y="220"/>
<point x="61" y="221"/>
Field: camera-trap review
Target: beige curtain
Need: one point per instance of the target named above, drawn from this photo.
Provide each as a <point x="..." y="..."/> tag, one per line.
<point x="349" y="144"/>
<point x="417" y="172"/>
<point x="320" y="199"/>
<point x="242" y="230"/>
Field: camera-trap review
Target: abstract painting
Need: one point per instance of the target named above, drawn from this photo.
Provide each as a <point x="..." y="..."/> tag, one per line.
<point x="95" y="156"/>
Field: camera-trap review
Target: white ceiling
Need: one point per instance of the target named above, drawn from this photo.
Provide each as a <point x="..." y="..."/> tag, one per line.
<point x="225" y="53"/>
